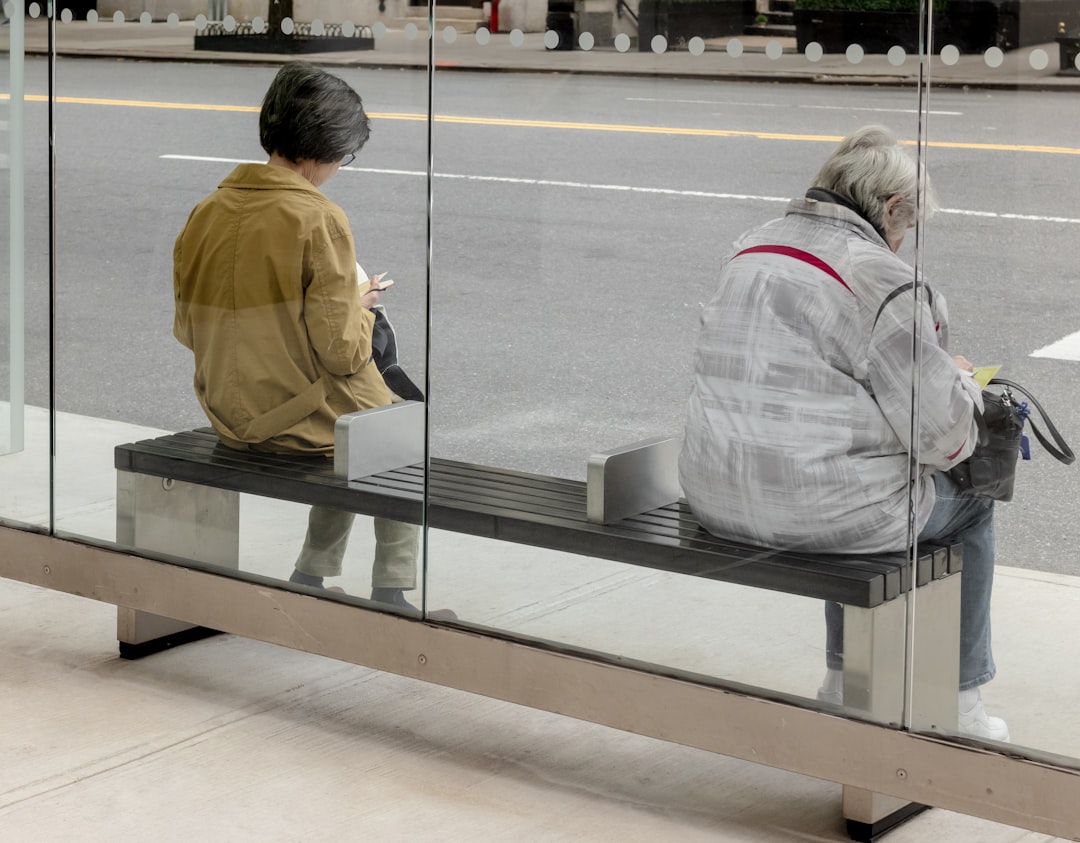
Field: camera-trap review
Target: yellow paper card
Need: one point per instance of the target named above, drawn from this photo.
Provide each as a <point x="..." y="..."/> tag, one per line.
<point x="984" y="373"/>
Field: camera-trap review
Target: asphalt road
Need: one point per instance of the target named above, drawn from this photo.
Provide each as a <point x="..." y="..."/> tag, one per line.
<point x="577" y="225"/>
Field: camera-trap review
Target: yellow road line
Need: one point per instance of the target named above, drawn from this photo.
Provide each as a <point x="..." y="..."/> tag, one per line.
<point x="570" y="126"/>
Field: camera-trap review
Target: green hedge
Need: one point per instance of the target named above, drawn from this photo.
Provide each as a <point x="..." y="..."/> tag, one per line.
<point x="909" y="6"/>
<point x="700" y="2"/>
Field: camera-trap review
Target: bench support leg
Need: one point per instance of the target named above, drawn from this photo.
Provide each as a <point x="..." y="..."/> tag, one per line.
<point x="177" y="519"/>
<point x="936" y="659"/>
<point x="874" y="659"/>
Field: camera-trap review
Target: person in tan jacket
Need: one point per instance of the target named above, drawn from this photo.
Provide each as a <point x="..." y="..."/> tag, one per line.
<point x="267" y="297"/>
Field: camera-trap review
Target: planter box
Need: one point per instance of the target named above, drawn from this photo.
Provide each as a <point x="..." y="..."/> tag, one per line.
<point x="679" y="22"/>
<point x="1068" y="49"/>
<point x="971" y="25"/>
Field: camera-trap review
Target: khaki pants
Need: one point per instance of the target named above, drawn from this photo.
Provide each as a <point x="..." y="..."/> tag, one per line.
<point x="397" y="546"/>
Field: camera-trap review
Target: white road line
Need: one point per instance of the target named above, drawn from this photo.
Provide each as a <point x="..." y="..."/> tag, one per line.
<point x="1067" y="348"/>
<point x="626" y="188"/>
<point x="888" y="110"/>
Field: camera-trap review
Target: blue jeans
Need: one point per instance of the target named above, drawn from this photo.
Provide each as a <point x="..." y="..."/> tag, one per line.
<point x="955" y="517"/>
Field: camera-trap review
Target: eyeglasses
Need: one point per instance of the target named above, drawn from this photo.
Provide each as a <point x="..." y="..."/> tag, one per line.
<point x="348" y="159"/>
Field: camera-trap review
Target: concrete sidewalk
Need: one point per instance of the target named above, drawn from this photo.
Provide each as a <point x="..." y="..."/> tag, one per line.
<point x="231" y="739"/>
<point x="1030" y="68"/>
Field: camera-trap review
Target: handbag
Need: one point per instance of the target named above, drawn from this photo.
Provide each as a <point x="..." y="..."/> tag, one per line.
<point x="385" y="355"/>
<point x="990" y="471"/>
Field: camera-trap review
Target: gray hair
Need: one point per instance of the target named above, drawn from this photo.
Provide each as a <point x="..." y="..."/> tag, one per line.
<point x="869" y="167"/>
<point x="311" y="115"/>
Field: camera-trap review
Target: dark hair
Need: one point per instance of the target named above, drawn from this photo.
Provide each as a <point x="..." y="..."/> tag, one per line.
<point x="308" y="114"/>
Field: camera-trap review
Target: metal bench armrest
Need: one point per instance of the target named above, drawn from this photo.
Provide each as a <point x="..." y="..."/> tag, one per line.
<point x="373" y="441"/>
<point x="634" y="479"/>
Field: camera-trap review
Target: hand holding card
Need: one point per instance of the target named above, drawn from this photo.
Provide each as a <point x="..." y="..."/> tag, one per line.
<point x="377" y="283"/>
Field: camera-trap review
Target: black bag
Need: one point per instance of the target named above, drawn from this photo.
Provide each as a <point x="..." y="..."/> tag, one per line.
<point x="384" y="353"/>
<point x="991" y="469"/>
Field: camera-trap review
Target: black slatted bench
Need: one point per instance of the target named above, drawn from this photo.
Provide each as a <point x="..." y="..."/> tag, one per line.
<point x="536" y="510"/>
<point x="178" y="494"/>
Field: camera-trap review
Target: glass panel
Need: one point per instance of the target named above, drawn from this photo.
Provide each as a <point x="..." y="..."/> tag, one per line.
<point x="582" y="223"/>
<point x="268" y="293"/>
<point x="24" y="292"/>
<point x="1003" y="249"/>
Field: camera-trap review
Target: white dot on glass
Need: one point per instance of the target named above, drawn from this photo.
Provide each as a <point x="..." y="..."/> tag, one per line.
<point x="950" y="54"/>
<point x="449" y="34"/>
<point x="200" y="22"/>
<point x="994" y="57"/>
<point x="696" y="46"/>
<point x="229" y="23"/>
<point x="517" y="38"/>
<point x="897" y="55"/>
<point x="348" y="29"/>
<point x="118" y="17"/>
<point x="145" y="19"/>
<point x="854" y="53"/>
<point x="66" y="16"/>
<point x="257" y="25"/>
<point x="287" y="26"/>
<point x="410" y="31"/>
<point x="1076" y="61"/>
<point x="658" y="44"/>
<point x="774" y="50"/>
<point x="734" y="48"/>
<point x="1039" y="59"/>
<point x="551" y="39"/>
<point x="483" y="36"/>
<point x="92" y="16"/>
<point x="317" y="27"/>
<point x="34" y="10"/>
<point x="172" y="21"/>
<point x="814" y="51"/>
<point x="622" y="42"/>
<point x="586" y="41"/>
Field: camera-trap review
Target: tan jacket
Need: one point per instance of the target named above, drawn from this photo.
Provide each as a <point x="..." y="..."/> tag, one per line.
<point x="264" y="275"/>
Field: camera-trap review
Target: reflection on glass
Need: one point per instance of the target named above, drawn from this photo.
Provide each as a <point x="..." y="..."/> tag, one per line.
<point x="285" y="327"/>
<point x="576" y="242"/>
<point x="614" y="202"/>
<point x="24" y="398"/>
<point x="12" y="420"/>
<point x="283" y="321"/>
<point x="1017" y="244"/>
<point x="799" y="421"/>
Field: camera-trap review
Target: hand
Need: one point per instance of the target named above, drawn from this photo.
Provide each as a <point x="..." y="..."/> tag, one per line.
<point x="376" y="285"/>
<point x="963" y="363"/>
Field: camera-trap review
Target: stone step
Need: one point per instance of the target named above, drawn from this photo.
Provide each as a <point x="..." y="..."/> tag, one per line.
<point x="771" y="29"/>
<point x="462" y="18"/>
<point x="778" y="18"/>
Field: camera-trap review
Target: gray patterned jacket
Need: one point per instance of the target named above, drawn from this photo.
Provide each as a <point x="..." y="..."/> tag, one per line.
<point x="799" y="420"/>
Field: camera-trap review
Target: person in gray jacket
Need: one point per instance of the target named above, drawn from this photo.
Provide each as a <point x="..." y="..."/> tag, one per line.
<point x="798" y="427"/>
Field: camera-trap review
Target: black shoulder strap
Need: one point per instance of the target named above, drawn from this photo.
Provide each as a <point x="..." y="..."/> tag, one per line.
<point x="1063" y="453"/>
<point x="903" y="288"/>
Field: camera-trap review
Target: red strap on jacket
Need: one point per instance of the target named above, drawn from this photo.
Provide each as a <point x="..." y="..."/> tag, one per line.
<point x="798" y="254"/>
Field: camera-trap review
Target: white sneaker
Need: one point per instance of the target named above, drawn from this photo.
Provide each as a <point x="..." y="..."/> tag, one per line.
<point x="831" y="697"/>
<point x="832" y="688"/>
<point x="976" y="723"/>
